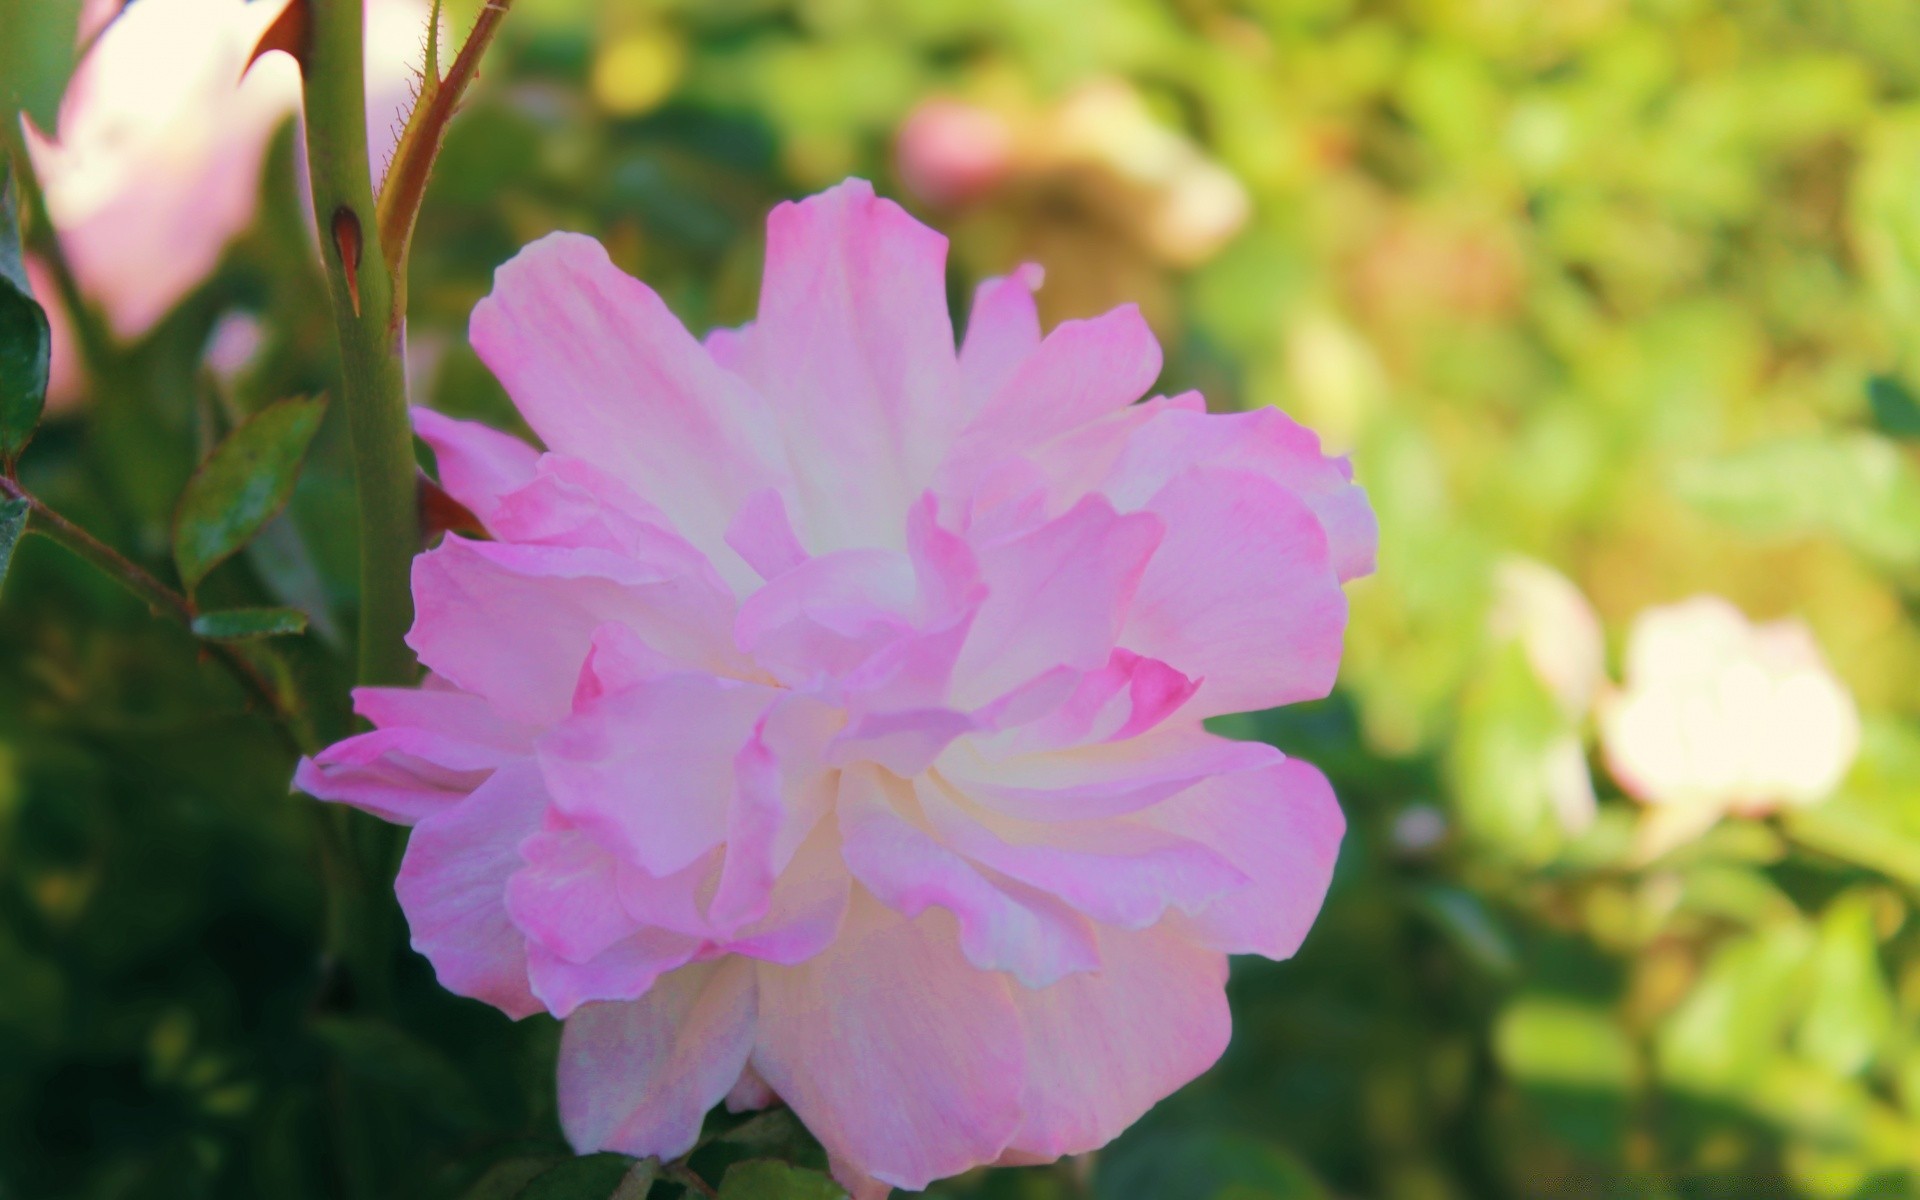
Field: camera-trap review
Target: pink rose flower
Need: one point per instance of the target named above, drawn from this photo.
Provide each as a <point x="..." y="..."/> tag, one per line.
<point x="1718" y="714"/>
<point x="155" y="165"/>
<point x="823" y="719"/>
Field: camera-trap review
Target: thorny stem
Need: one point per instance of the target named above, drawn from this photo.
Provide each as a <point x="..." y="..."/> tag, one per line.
<point x="371" y="330"/>
<point x="160" y="598"/>
<point x="426" y="130"/>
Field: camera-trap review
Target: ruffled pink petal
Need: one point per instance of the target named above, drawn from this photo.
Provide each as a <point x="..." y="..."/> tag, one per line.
<point x="1281" y="826"/>
<point x="1003" y="328"/>
<point x="1117" y="872"/>
<point x="567" y="897"/>
<point x="903" y="1058"/>
<point x="649" y="770"/>
<point x="829" y="614"/>
<point x="1083" y="370"/>
<point x="1103" y="1048"/>
<point x="854" y="348"/>
<point x="1107" y="779"/>
<point x="1004" y="925"/>
<point x="1129" y="696"/>
<point x="1266" y="443"/>
<point x="638" y="1077"/>
<point x="623" y="971"/>
<point x="1055" y="597"/>
<point x="806" y="908"/>
<point x="1240" y="594"/>
<point x="477" y="463"/>
<point x="398" y="775"/>
<point x="603" y="372"/>
<point x="514" y="623"/>
<point x="762" y="534"/>
<point x="453" y="886"/>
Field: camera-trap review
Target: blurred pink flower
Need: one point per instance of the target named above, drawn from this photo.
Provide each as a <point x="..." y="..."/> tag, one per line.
<point x="1718" y="714"/>
<point x="156" y="161"/>
<point x="949" y="152"/>
<point x="823" y="720"/>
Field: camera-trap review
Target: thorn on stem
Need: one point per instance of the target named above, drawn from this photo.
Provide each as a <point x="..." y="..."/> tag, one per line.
<point x="290" y="32"/>
<point x="346" y="243"/>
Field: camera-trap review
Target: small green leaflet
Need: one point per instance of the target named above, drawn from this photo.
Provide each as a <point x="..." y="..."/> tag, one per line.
<point x="243" y="484"/>
<point x="25" y="341"/>
<point x="242" y="624"/>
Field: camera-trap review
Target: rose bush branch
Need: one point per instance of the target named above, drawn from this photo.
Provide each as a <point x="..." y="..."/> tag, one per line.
<point x="163" y="601"/>
<point x="327" y="38"/>
<point x="364" y="245"/>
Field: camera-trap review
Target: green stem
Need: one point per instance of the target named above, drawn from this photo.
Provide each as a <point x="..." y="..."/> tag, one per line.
<point x="371" y="331"/>
<point x="163" y="601"/>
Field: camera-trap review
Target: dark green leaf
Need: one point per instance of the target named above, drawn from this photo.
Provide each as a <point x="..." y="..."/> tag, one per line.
<point x="394" y="1059"/>
<point x="1895" y="412"/>
<point x="242" y="485"/>
<point x="13" y="525"/>
<point x="239" y="624"/>
<point x="1474" y="931"/>
<point x="507" y="1180"/>
<point x="25" y="340"/>
<point x="764" y="1179"/>
<point x="595" y="1177"/>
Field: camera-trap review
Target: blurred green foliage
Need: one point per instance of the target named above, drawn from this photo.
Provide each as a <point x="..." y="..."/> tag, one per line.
<point x="1631" y="287"/>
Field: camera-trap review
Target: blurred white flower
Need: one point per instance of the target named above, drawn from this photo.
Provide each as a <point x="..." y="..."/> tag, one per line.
<point x="1719" y="714"/>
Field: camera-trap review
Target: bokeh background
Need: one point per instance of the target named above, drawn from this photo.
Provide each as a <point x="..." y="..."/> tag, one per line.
<point x="1615" y="303"/>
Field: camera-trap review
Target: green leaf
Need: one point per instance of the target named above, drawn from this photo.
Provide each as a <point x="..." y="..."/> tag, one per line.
<point x="1852" y="1010"/>
<point x="240" y="624"/>
<point x="25" y="340"/>
<point x="1857" y="487"/>
<point x="507" y="1180"/>
<point x="765" y="1179"/>
<point x="13" y="525"/>
<point x="1895" y="412"/>
<point x="243" y="484"/>
<point x="594" y="1177"/>
<point x="1466" y="922"/>
<point x="1575" y="1064"/>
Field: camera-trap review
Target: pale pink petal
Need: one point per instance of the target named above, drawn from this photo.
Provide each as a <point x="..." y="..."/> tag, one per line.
<point x="750" y="1092"/>
<point x="1240" y="594"/>
<point x="1118" y="872"/>
<point x="453" y="887"/>
<point x="906" y="1061"/>
<point x="1282" y="827"/>
<point x="567" y="897"/>
<point x="638" y="1077"/>
<point x="1055" y="597"/>
<point x="513" y="623"/>
<point x="623" y="971"/>
<point x="477" y="464"/>
<point x="806" y="908"/>
<point x="1267" y="443"/>
<point x="603" y="372"/>
<point x="829" y="614"/>
<point x="1107" y="779"/>
<point x="1081" y="371"/>
<point x="1004" y="925"/>
<point x="762" y="534"/>
<point x="1104" y="1047"/>
<point x="854" y="348"/>
<point x="649" y="770"/>
<point x="1003" y="328"/>
<point x="399" y="775"/>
